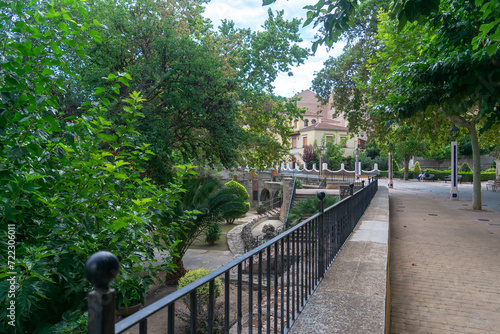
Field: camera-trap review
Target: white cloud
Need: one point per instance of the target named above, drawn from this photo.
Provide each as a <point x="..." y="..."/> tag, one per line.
<point x="251" y="14"/>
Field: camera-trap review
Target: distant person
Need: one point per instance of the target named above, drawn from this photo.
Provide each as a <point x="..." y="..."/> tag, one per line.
<point x="420" y="176"/>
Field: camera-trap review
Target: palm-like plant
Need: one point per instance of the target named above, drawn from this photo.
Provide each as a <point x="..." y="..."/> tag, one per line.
<point x="307" y="207"/>
<point x="204" y="202"/>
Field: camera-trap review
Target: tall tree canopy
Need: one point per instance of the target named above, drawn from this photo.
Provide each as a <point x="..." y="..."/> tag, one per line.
<point x="455" y="75"/>
<point x="208" y="94"/>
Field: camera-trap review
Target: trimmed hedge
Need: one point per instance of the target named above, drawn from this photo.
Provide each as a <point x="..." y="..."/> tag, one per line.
<point x="441" y="174"/>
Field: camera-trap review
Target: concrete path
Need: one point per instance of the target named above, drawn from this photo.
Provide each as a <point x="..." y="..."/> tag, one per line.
<point x="445" y="260"/>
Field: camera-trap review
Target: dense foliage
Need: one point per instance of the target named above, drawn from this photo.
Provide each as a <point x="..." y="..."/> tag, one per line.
<point x="307" y="207"/>
<point x="95" y="99"/>
<point x="70" y="185"/>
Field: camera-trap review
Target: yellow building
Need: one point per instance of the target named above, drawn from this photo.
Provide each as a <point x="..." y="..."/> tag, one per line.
<point x="318" y="122"/>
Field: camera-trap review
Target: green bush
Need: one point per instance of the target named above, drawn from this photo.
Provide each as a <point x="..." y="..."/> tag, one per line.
<point x="202" y="295"/>
<point x="202" y="292"/>
<point x="417" y="168"/>
<point x="212" y="234"/>
<point x="241" y="192"/>
<point x="465" y="168"/>
<point x="309" y="206"/>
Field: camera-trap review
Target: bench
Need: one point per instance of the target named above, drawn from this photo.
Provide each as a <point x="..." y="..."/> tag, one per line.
<point x="493" y="185"/>
<point x="430" y="177"/>
<point x="448" y="178"/>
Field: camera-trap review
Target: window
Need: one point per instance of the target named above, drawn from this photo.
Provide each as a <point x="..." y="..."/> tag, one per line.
<point x="313" y="122"/>
<point x="304" y="141"/>
<point x="294" y="142"/>
<point x="329" y="138"/>
<point x="296" y="124"/>
<point x="306" y="122"/>
<point x="343" y="140"/>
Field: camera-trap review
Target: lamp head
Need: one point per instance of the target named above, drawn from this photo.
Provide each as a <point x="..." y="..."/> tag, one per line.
<point x="454" y="131"/>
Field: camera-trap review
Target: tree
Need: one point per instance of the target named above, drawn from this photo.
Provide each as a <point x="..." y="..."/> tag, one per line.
<point x="448" y="79"/>
<point x="243" y="195"/>
<point x="204" y="203"/>
<point x="209" y="96"/>
<point x="334" y="153"/>
<point x="69" y="186"/>
<point x="309" y="156"/>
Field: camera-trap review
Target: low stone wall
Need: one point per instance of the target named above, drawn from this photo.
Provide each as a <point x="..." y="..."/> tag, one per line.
<point x="241" y="237"/>
<point x="354" y="296"/>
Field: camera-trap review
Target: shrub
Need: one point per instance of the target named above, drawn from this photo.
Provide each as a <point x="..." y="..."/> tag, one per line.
<point x="241" y="192"/>
<point x="417" y="168"/>
<point x="465" y="168"/>
<point x="299" y="184"/>
<point x="212" y="234"/>
<point x="269" y="231"/>
<point x="202" y="295"/>
<point x="203" y="291"/>
<point x="308" y="207"/>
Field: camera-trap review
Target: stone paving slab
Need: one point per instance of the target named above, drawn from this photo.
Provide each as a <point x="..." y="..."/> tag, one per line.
<point x="352" y="296"/>
<point x="444" y="264"/>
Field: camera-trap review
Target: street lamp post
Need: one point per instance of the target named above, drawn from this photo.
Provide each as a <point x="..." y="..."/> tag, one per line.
<point x="320" y="163"/>
<point x="356" y="167"/>
<point x="454" y="186"/>
<point x="390" y="184"/>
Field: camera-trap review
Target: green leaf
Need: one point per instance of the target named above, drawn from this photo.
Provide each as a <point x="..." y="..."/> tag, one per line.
<point x="64" y="27"/>
<point x="17" y="153"/>
<point x="491" y="49"/>
<point x="123" y="81"/>
<point x="95" y="35"/>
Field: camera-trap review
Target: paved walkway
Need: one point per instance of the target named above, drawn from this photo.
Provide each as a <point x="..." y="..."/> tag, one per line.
<point x="445" y="261"/>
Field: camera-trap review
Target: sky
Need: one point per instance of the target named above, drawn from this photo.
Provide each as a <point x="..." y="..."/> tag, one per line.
<point x="251" y="14"/>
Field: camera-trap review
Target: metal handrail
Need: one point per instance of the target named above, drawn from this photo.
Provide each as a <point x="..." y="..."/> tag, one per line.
<point x="302" y="264"/>
<point x="271" y="204"/>
<point x="290" y="205"/>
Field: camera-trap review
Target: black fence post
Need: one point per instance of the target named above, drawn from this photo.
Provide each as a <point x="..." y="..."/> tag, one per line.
<point x="362" y="183"/>
<point x="101" y="269"/>
<point x="351" y="189"/>
<point x="321" y="236"/>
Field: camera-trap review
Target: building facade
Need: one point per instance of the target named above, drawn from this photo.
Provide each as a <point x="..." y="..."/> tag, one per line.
<point x="319" y="122"/>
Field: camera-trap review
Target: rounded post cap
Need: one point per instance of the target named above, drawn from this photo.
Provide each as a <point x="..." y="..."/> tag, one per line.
<point x="101" y="269"/>
<point x="321" y="195"/>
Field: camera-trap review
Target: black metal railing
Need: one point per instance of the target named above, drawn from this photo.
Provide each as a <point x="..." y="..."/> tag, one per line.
<point x="290" y="205"/>
<point x="271" y="204"/>
<point x="264" y="290"/>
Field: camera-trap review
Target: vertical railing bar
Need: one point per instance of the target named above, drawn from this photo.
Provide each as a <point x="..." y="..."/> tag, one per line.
<point x="276" y="251"/>
<point x="239" y="298"/>
<point x="268" y="320"/>
<point x="295" y="259"/>
<point x="282" y="274"/>
<point x="171" y="319"/>
<point x="307" y="263"/>
<point x="193" y="308"/>
<point x="250" y="295"/>
<point x="314" y="255"/>
<point x="288" y="268"/>
<point x="211" y="305"/>
<point x="226" y="301"/>
<point x="302" y="255"/>
<point x="143" y="326"/>
<point x="259" y="295"/>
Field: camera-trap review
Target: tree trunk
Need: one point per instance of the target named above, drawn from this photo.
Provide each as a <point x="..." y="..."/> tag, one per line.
<point x="173" y="277"/>
<point x="476" y="174"/>
<point x="407" y="164"/>
<point x="476" y="158"/>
